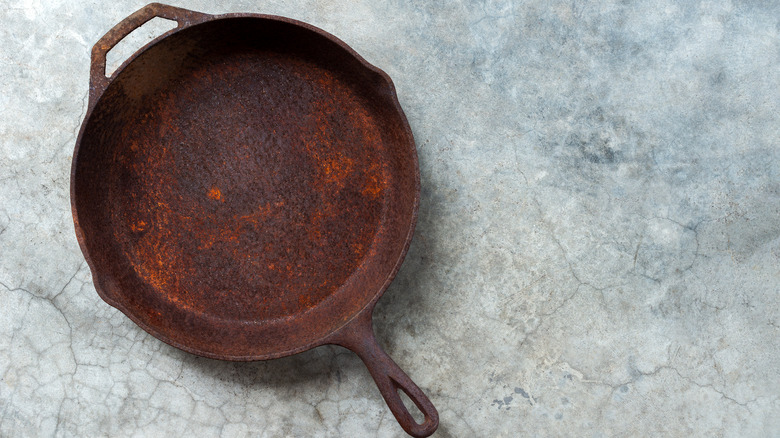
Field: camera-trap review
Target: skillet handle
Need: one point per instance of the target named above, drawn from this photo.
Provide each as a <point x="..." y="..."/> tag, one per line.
<point x="97" y="75"/>
<point x="358" y="336"/>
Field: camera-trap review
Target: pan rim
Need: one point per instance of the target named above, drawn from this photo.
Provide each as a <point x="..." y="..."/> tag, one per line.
<point x="102" y="281"/>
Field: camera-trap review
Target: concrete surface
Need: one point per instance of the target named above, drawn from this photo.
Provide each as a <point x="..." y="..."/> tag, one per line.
<point x="598" y="251"/>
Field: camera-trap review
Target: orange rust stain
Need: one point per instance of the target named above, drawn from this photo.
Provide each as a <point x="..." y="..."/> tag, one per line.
<point x="336" y="169"/>
<point x="215" y="194"/>
<point x="372" y="187"/>
<point x="138" y="226"/>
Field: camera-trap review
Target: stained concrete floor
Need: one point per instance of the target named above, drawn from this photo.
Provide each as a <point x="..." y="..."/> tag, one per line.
<point x="598" y="250"/>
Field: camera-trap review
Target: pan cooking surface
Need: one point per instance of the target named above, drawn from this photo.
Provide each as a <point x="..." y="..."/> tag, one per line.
<point x="251" y="188"/>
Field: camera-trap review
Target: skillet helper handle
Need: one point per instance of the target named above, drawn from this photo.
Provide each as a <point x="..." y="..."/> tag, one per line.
<point x="97" y="75"/>
<point x="358" y="336"/>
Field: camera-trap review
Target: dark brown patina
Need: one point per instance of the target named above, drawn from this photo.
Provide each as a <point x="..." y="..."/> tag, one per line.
<point x="245" y="187"/>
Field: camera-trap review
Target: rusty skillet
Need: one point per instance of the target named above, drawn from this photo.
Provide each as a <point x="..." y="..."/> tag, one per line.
<point x="245" y="187"/>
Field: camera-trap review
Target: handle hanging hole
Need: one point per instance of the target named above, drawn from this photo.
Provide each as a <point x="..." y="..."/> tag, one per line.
<point x="416" y="413"/>
<point x="137" y="39"/>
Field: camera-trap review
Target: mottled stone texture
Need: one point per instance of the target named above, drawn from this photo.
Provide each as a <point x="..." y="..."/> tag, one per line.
<point x="598" y="251"/>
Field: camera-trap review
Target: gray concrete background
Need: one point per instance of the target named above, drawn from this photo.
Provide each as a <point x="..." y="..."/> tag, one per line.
<point x="598" y="251"/>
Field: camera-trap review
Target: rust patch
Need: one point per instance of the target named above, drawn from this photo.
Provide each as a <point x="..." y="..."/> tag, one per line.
<point x="215" y="194"/>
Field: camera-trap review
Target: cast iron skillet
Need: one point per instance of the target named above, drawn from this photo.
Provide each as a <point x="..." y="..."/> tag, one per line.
<point x="245" y="187"/>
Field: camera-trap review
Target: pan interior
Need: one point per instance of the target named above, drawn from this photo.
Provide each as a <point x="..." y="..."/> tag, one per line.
<point x="244" y="200"/>
<point x="242" y="176"/>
